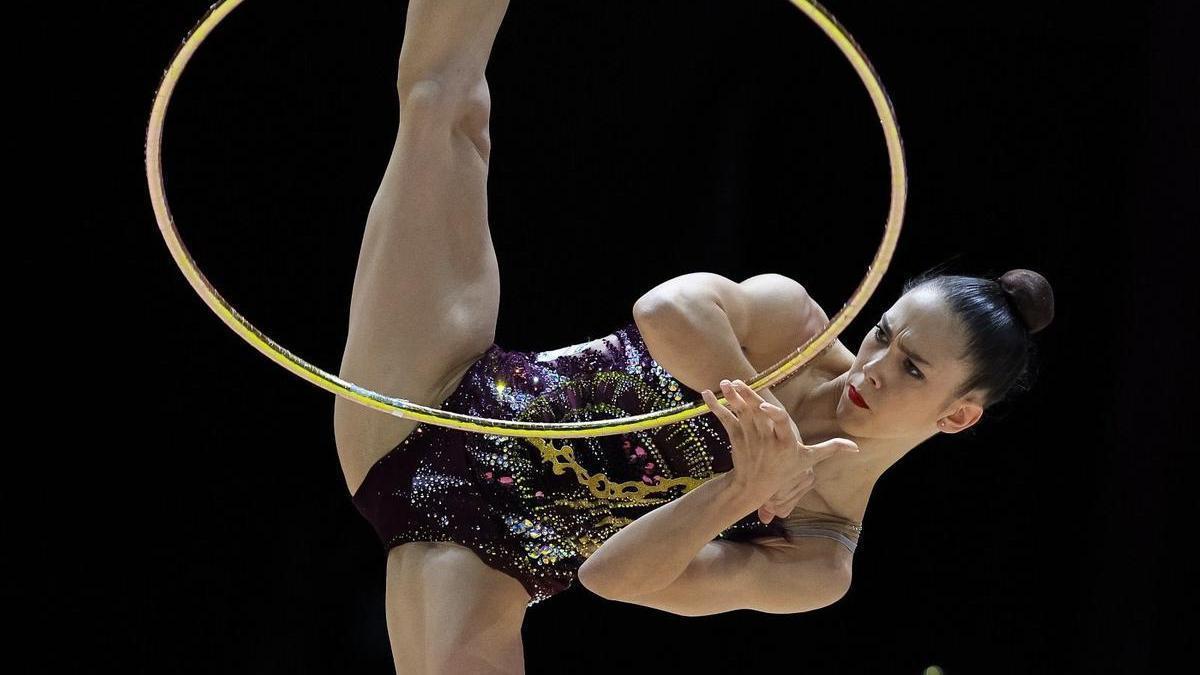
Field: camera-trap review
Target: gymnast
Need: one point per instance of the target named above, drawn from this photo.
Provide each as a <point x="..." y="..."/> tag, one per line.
<point x="757" y="504"/>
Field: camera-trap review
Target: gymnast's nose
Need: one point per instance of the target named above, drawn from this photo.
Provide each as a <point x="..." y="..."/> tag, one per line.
<point x="870" y="378"/>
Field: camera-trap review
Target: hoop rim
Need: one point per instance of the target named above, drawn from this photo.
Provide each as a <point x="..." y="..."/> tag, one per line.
<point x="406" y="409"/>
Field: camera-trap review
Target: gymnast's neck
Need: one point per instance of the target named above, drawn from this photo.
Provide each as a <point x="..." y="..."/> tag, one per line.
<point x="845" y="477"/>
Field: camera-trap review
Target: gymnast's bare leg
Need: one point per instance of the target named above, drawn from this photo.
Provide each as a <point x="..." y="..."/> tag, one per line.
<point x="424" y="306"/>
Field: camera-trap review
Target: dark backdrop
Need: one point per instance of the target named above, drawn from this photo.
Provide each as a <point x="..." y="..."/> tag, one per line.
<point x="184" y="511"/>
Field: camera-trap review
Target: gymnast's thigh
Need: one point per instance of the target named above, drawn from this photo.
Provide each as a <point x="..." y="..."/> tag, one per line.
<point x="449" y="612"/>
<point x="426" y="293"/>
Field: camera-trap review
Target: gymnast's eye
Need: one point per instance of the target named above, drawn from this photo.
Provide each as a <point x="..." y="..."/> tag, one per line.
<point x="915" y="372"/>
<point x="879" y="334"/>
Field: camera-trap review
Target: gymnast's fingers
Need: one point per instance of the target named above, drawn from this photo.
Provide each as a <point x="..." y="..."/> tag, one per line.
<point x="735" y="400"/>
<point x="783" y="426"/>
<point x="752" y="398"/>
<point x="728" y="420"/>
<point x="765" y="514"/>
<point x="762" y="421"/>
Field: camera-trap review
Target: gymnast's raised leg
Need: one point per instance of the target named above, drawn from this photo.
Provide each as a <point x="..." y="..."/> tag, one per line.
<point x="424" y="307"/>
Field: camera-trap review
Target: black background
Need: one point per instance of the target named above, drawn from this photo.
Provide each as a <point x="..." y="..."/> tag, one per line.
<point x="181" y="509"/>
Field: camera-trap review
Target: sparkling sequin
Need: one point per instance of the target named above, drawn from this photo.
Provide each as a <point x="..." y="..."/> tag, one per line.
<point x="537" y="508"/>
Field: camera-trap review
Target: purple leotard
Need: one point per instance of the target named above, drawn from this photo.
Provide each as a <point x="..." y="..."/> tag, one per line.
<point x="537" y="508"/>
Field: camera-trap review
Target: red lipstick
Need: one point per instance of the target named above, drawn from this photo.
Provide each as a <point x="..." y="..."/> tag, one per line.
<point x="855" y="397"/>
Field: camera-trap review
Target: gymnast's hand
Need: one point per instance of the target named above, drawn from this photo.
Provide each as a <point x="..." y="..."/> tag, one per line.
<point x="770" y="459"/>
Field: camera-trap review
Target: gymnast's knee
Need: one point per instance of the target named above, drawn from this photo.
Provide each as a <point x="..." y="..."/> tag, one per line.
<point x="465" y="107"/>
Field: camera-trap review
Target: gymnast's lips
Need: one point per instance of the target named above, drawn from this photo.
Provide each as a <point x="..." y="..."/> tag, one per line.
<point x="856" y="397"/>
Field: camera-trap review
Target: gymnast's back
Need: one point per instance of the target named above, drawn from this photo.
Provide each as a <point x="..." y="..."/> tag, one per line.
<point x="536" y="508"/>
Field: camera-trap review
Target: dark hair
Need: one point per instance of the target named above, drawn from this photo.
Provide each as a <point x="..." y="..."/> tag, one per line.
<point x="999" y="316"/>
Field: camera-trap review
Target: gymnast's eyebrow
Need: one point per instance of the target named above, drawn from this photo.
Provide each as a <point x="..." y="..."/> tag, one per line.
<point x="915" y="356"/>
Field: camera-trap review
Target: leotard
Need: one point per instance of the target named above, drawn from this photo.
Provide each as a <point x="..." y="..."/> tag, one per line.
<point x="537" y="508"/>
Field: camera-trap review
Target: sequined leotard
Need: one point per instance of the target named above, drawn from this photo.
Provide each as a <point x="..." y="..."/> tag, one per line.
<point x="537" y="508"/>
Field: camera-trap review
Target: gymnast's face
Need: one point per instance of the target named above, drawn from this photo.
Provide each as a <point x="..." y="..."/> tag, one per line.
<point x="907" y="370"/>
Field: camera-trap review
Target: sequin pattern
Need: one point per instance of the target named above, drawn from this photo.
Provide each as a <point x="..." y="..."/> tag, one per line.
<point x="537" y="508"/>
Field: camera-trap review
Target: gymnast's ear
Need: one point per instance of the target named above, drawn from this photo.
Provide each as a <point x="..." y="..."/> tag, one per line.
<point x="966" y="416"/>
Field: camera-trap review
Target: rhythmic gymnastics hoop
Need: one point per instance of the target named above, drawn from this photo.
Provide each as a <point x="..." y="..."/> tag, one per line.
<point x="403" y="408"/>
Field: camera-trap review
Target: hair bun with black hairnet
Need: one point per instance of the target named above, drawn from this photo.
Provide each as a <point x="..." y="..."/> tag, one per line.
<point x="1030" y="294"/>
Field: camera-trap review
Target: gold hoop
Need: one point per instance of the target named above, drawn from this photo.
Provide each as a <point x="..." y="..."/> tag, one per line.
<point x="403" y="408"/>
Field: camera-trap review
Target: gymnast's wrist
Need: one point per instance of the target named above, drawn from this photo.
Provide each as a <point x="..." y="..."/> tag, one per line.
<point x="747" y="495"/>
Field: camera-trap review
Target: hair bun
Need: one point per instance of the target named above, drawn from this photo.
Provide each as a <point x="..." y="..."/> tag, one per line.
<point x="1031" y="295"/>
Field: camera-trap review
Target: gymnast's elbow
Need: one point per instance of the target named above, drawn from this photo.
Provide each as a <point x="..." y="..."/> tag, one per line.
<point x="593" y="578"/>
<point x="807" y="601"/>
<point x="816" y="591"/>
<point x="839" y="587"/>
<point x="606" y="583"/>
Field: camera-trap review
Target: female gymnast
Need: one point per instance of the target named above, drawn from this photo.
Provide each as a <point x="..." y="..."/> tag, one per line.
<point x="755" y="505"/>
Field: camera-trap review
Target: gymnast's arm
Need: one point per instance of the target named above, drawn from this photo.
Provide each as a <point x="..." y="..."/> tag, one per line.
<point x="808" y="574"/>
<point x="703" y="327"/>
<point x="674" y="542"/>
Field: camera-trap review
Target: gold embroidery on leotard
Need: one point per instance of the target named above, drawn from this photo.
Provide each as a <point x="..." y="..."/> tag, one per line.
<point x="562" y="459"/>
<point x="613" y="521"/>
